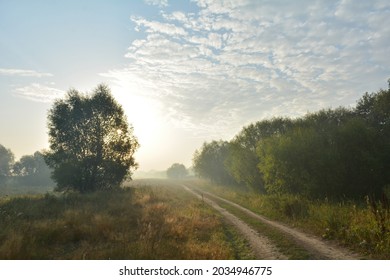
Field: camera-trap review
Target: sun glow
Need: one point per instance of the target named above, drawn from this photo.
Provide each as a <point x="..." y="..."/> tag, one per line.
<point x="149" y="122"/>
<point x="143" y="114"/>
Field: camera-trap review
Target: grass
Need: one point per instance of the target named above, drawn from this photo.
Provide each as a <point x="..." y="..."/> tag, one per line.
<point x="358" y="226"/>
<point x="139" y="222"/>
<point x="285" y="245"/>
<point x="9" y="190"/>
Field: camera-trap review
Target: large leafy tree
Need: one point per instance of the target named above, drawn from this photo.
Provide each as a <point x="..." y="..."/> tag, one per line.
<point x="91" y="142"/>
<point x="242" y="160"/>
<point x="328" y="154"/>
<point x="374" y="108"/>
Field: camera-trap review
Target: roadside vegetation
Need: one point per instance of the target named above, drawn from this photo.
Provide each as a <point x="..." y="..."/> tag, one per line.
<point x="362" y="227"/>
<point x="139" y="222"/>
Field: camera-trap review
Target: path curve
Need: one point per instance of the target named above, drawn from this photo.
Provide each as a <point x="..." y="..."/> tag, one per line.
<point x="319" y="248"/>
<point x="261" y="245"/>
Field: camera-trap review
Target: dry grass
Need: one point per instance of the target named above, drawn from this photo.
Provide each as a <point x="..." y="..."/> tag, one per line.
<point x="134" y="223"/>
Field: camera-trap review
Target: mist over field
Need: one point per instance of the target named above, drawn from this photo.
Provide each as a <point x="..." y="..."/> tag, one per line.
<point x="195" y="129"/>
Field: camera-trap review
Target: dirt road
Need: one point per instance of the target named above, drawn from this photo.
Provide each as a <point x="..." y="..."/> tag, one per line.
<point x="262" y="246"/>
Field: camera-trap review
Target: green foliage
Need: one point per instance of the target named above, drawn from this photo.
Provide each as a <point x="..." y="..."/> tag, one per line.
<point x="296" y="207"/>
<point x="334" y="153"/>
<point x="6" y="161"/>
<point x="177" y="171"/>
<point x="242" y="160"/>
<point x="31" y="170"/>
<point x="381" y="211"/>
<point x="338" y="161"/>
<point x="374" y="108"/>
<point x="210" y="161"/>
<point x="328" y="154"/>
<point x="91" y="143"/>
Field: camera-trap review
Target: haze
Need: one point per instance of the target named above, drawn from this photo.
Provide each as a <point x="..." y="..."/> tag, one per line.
<point x="187" y="71"/>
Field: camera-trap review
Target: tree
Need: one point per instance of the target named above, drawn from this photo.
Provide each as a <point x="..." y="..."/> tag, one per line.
<point x="209" y="162"/>
<point x="329" y="154"/>
<point x="298" y="162"/>
<point x="177" y="171"/>
<point x="91" y="142"/>
<point x="242" y="160"/>
<point x="6" y="161"/>
<point x="32" y="170"/>
<point x="374" y="108"/>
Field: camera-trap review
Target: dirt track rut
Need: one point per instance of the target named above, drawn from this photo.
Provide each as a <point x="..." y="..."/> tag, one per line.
<point x="261" y="245"/>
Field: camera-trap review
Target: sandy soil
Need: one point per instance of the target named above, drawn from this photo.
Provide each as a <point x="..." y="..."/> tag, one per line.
<point x="262" y="246"/>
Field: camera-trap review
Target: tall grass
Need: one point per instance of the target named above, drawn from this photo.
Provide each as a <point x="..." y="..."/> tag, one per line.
<point x="361" y="226"/>
<point x="18" y="190"/>
<point x="133" y="223"/>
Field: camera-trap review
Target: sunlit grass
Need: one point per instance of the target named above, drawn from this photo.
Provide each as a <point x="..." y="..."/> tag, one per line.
<point x="134" y="223"/>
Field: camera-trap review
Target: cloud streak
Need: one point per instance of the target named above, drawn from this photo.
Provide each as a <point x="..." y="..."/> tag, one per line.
<point x="39" y="93"/>
<point x="234" y="62"/>
<point x="23" y="73"/>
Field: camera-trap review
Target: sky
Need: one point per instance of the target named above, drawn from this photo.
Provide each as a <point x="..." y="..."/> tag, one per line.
<point x="190" y="71"/>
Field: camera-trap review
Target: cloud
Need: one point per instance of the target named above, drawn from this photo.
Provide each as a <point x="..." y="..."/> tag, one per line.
<point x="160" y="3"/>
<point x="23" y="73"/>
<point x="39" y="93"/>
<point x="233" y="62"/>
<point x="158" y="27"/>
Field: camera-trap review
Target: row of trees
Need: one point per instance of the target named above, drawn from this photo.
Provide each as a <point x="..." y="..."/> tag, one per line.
<point x="30" y="170"/>
<point x="342" y="152"/>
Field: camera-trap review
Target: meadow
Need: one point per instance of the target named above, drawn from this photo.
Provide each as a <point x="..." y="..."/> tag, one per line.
<point x="137" y="222"/>
<point x="158" y="219"/>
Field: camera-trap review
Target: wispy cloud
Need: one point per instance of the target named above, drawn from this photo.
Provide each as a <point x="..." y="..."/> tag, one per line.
<point x="23" y="73"/>
<point x="233" y="62"/>
<point x="158" y="27"/>
<point x="39" y="93"/>
<point x="160" y="3"/>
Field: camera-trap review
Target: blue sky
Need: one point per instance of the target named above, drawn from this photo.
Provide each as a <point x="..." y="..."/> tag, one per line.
<point x="187" y="71"/>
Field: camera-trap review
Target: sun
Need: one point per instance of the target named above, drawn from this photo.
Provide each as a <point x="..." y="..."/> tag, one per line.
<point x="151" y="121"/>
<point x="144" y="114"/>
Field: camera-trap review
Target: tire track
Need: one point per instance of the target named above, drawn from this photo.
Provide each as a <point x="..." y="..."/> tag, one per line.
<point x="261" y="245"/>
<point x="319" y="248"/>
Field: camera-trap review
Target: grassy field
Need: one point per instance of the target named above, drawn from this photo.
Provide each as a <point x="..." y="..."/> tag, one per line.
<point x="363" y="227"/>
<point x="138" y="222"/>
<point x="157" y="219"/>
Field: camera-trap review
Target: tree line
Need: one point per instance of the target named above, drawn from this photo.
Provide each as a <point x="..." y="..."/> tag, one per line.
<point x="30" y="170"/>
<point x="333" y="153"/>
